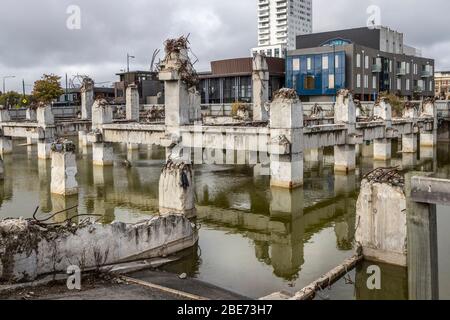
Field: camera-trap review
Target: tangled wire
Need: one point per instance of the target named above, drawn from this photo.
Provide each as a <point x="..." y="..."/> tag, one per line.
<point x="389" y="175"/>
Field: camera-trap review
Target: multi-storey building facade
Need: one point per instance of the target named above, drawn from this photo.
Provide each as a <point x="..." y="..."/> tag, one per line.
<point x="442" y="85"/>
<point x="279" y="22"/>
<point x="367" y="61"/>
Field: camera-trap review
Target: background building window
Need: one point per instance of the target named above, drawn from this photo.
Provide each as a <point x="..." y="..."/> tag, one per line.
<point x="358" y="81"/>
<point x="309" y="83"/>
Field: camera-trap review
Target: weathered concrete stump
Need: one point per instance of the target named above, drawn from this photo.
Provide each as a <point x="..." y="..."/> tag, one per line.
<point x="44" y="116"/>
<point x="381" y="218"/>
<point x="83" y="139"/>
<point x="409" y="143"/>
<point x="102" y="154"/>
<point x="64" y="169"/>
<point x="345" y="113"/>
<point x="176" y="189"/>
<point x="286" y="145"/>
<point x="31" y="115"/>
<point x="44" y="148"/>
<point x="382" y="149"/>
<point x="102" y="113"/>
<point x="132" y="103"/>
<point x="87" y="98"/>
<point x="260" y="77"/>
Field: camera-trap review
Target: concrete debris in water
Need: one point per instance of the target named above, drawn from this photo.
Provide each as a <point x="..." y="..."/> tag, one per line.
<point x="29" y="249"/>
<point x="63" y="145"/>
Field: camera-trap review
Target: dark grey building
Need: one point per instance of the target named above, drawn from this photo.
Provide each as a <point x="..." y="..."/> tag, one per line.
<point x="367" y="61"/>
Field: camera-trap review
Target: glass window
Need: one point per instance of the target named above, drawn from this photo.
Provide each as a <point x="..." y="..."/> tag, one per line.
<point x="277" y="53"/>
<point x="358" y="60"/>
<point x="309" y="64"/>
<point x="358" y="81"/>
<point x="214" y="91"/>
<point x="366" y="62"/>
<point x="296" y="64"/>
<point x="325" y="62"/>
<point x="309" y="83"/>
<point x="374" y="82"/>
<point x="331" y="81"/>
<point x="336" y="62"/>
<point x="245" y="89"/>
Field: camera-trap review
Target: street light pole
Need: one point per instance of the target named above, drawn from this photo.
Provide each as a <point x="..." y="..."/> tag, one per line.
<point x="4" y="82"/>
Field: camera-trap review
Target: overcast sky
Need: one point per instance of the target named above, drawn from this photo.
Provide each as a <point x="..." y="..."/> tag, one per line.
<point x="34" y="38"/>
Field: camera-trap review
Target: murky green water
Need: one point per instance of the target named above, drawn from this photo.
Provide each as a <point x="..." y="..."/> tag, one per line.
<point x="254" y="240"/>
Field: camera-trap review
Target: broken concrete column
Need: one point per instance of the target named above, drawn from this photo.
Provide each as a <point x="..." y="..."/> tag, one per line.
<point x="64" y="169"/>
<point x="83" y="139"/>
<point x="87" y="98"/>
<point x="44" y="148"/>
<point x="381" y="217"/>
<point x="409" y="143"/>
<point x="132" y="103"/>
<point x="31" y="115"/>
<point x="429" y="111"/>
<point x="286" y="145"/>
<point x="44" y="116"/>
<point x="260" y="78"/>
<point x="345" y="113"/>
<point x="102" y="154"/>
<point x="6" y="145"/>
<point x="382" y="148"/>
<point x="177" y="190"/>
<point x="34" y="249"/>
<point x="4" y="114"/>
<point x="102" y="113"/>
<point x="179" y="76"/>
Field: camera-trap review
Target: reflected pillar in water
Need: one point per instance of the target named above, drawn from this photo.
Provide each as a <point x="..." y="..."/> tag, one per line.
<point x="44" y="149"/>
<point x="102" y="154"/>
<point x="61" y="204"/>
<point x="381" y="164"/>
<point x="286" y="247"/>
<point x="132" y="146"/>
<point x="427" y="152"/>
<point x="64" y="171"/>
<point x="104" y="210"/>
<point x="6" y="146"/>
<point x="132" y="154"/>
<point x="367" y="150"/>
<point x="103" y="176"/>
<point x="409" y="143"/>
<point x="382" y="149"/>
<point x="409" y="160"/>
<point x="286" y="204"/>
<point x="316" y="157"/>
<point x="344" y="184"/>
<point x="428" y="139"/>
<point x="422" y="248"/>
<point x="45" y="203"/>
<point x="2" y="169"/>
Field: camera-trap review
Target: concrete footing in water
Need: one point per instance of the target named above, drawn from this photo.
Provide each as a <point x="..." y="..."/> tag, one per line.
<point x="30" y="250"/>
<point x="64" y="171"/>
<point x="176" y="189"/>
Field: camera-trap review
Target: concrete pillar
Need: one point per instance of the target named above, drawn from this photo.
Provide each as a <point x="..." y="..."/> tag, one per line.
<point x="428" y="139"/>
<point x="83" y="139"/>
<point x="87" y="99"/>
<point x="260" y="78"/>
<point x="102" y="113"/>
<point x="4" y="115"/>
<point x="344" y="159"/>
<point x="382" y="149"/>
<point x="132" y="103"/>
<point x="177" y="190"/>
<point x="44" y="174"/>
<point x="103" y="176"/>
<point x="367" y="150"/>
<point x="132" y="146"/>
<point x="44" y="116"/>
<point x="286" y="145"/>
<point x="344" y="185"/>
<point x="286" y="204"/>
<point x="381" y="222"/>
<point x="64" y="169"/>
<point x="29" y="141"/>
<point x="409" y="143"/>
<point x="31" y="115"/>
<point x="6" y="145"/>
<point x="409" y="160"/>
<point x="345" y="113"/>
<point x="175" y="89"/>
<point x="316" y="156"/>
<point x="102" y="154"/>
<point x="44" y="149"/>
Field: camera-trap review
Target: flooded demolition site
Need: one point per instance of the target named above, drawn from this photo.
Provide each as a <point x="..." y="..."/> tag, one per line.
<point x="318" y="202"/>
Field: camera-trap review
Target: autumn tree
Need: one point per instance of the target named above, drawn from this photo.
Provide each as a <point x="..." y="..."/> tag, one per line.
<point x="47" y="89"/>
